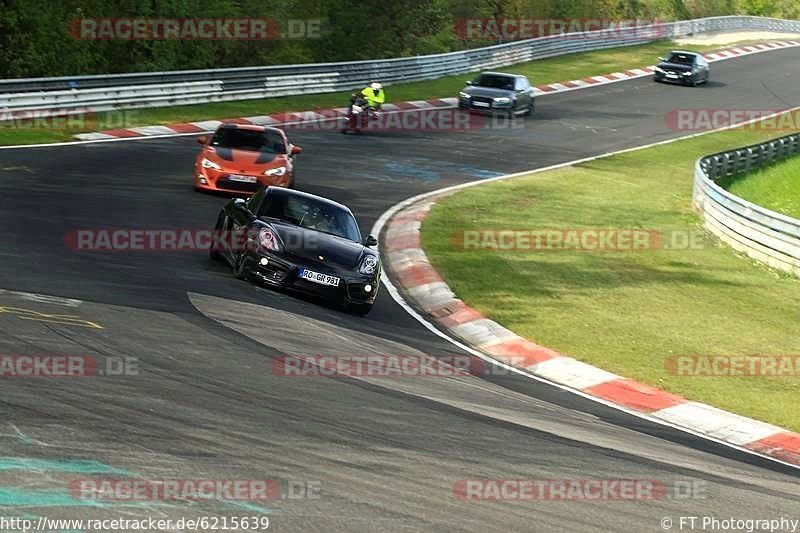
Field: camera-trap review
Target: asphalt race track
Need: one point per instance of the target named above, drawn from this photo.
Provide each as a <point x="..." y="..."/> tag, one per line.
<point x="386" y="452"/>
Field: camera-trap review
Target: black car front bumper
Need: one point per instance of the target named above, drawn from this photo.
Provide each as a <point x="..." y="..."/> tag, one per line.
<point x="285" y="273"/>
<point x="486" y="106"/>
<point x="680" y="79"/>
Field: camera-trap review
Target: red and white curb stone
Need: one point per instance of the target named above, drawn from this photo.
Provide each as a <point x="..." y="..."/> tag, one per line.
<point x="300" y="117"/>
<point x="422" y="287"/>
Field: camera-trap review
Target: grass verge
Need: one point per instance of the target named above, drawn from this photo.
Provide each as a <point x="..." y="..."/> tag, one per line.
<point x="776" y="187"/>
<point x="627" y="312"/>
<point x="543" y="71"/>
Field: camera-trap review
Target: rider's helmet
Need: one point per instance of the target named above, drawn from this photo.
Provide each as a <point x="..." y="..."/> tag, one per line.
<point x="375" y="86"/>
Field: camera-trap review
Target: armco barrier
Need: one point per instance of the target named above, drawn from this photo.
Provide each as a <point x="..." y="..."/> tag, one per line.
<point x="762" y="234"/>
<point x="262" y="82"/>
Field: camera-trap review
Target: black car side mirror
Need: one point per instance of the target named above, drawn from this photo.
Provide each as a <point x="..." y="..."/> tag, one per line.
<point x="469" y="82"/>
<point x="661" y="59"/>
<point x="370" y="241"/>
<point x="240" y="205"/>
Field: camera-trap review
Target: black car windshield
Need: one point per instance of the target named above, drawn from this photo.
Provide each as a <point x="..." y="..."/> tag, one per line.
<point x="681" y="59"/>
<point x="251" y="140"/>
<point x="495" y="82"/>
<point x="311" y="214"/>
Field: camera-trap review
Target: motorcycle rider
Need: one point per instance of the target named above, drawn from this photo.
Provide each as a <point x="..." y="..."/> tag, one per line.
<point x="368" y="99"/>
<point x="374" y="95"/>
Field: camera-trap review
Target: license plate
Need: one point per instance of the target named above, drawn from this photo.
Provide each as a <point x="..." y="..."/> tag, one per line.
<point x="245" y="179"/>
<point x="316" y="277"/>
<point x="672" y="76"/>
<point x="480" y="104"/>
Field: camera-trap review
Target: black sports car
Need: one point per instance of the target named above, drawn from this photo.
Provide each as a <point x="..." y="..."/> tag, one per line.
<point x="687" y="68"/>
<point x="302" y="242"/>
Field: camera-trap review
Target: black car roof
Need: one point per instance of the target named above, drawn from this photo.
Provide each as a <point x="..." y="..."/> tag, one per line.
<point x="506" y="74"/>
<point x="292" y="192"/>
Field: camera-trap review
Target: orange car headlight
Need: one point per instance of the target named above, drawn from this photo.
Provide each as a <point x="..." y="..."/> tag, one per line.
<point x="277" y="171"/>
<point x="207" y="163"/>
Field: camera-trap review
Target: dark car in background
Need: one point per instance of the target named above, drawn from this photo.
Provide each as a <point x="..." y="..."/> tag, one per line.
<point x="301" y="242"/>
<point x="498" y="93"/>
<point x="687" y="68"/>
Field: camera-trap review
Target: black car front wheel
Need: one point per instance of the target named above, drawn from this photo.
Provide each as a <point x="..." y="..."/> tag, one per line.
<point x="213" y="253"/>
<point x="530" y="109"/>
<point x="240" y="267"/>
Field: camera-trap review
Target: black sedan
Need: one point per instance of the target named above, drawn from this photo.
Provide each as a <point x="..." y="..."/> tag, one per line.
<point x="301" y="242"/>
<point x="498" y="93"/>
<point x="687" y="68"/>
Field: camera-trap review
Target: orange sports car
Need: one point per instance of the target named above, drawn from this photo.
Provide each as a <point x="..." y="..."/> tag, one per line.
<point x="243" y="158"/>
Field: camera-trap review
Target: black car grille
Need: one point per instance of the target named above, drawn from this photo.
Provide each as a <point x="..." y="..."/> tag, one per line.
<point x="482" y="99"/>
<point x="237" y="185"/>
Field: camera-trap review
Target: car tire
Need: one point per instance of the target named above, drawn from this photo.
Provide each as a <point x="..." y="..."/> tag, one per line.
<point x="212" y="253"/>
<point x="358" y="309"/>
<point x="239" y="267"/>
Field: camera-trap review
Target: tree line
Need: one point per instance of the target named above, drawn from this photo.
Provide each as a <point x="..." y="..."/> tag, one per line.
<point x="37" y="37"/>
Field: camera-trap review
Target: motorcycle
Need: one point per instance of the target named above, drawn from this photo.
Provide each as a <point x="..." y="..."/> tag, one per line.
<point x="359" y="114"/>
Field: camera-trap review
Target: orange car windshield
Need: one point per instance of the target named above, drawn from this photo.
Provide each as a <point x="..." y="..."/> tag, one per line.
<point x="253" y="141"/>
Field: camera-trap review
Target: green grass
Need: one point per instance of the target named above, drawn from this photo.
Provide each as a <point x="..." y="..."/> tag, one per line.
<point x="557" y="69"/>
<point x="627" y="312"/>
<point x="776" y="187"/>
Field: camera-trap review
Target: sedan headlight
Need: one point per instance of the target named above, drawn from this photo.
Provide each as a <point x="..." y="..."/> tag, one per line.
<point x="462" y="94"/>
<point x="659" y="70"/>
<point x="687" y="73"/>
<point x="368" y="265"/>
<point x="502" y="100"/>
<point x="207" y="163"/>
<point x="277" y="171"/>
<point x="267" y="240"/>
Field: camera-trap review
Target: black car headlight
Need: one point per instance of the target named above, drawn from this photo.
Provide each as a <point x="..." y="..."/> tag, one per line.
<point x="269" y="240"/>
<point x="368" y="265"/>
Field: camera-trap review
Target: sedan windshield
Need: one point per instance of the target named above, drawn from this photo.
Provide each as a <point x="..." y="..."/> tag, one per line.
<point x="253" y="141"/>
<point x="495" y="82"/>
<point x="681" y="59"/>
<point x="311" y="214"/>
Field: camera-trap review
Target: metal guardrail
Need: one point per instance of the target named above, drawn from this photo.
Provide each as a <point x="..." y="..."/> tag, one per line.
<point x="764" y="235"/>
<point x="282" y="80"/>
